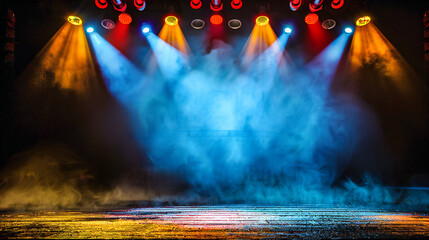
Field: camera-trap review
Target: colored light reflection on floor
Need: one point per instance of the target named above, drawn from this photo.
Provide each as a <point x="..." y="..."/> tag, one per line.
<point x="218" y="222"/>
<point x="65" y="62"/>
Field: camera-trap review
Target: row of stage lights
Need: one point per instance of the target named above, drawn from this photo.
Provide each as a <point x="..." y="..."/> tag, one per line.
<point x="311" y="18"/>
<point x="216" y="6"/>
<point x="261" y="21"/>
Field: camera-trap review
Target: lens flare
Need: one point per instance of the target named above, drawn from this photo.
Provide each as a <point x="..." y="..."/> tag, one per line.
<point x="262" y="20"/>
<point x="216" y="19"/>
<point x="171" y="20"/>
<point x="74" y="20"/>
<point x="125" y="18"/>
<point x="362" y="21"/>
<point x="311" y="18"/>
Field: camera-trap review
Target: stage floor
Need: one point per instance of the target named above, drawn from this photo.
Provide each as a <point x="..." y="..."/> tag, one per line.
<point x="230" y="221"/>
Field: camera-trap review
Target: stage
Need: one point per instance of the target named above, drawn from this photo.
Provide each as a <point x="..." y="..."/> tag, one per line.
<point x="224" y="221"/>
<point x="214" y="119"/>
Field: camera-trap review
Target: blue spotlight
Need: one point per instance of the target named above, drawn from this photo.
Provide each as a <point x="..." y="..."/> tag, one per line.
<point x="348" y="30"/>
<point x="288" y="30"/>
<point x="90" y="30"/>
<point x="145" y="29"/>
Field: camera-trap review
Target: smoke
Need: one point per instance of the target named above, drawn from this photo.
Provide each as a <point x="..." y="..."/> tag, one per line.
<point x="54" y="177"/>
<point x="226" y="128"/>
<point x="216" y="129"/>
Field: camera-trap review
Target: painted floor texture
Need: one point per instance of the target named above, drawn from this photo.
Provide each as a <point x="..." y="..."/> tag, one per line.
<point x="208" y="222"/>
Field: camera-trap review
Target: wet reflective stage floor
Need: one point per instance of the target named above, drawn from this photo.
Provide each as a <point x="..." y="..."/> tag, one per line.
<point x="230" y="221"/>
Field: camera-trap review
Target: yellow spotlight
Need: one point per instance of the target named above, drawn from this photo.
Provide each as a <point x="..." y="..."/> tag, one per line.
<point x="362" y="21"/>
<point x="171" y="20"/>
<point x="74" y="20"/>
<point x="262" y="20"/>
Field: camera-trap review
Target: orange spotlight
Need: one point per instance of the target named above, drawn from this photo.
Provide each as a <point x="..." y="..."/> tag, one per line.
<point x="311" y="18"/>
<point x="362" y="21"/>
<point x="74" y="20"/>
<point x="262" y="20"/>
<point x="216" y="19"/>
<point x="125" y="18"/>
<point x="171" y="20"/>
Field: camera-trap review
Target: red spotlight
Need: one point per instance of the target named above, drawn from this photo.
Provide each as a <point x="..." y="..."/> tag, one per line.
<point x="295" y="4"/>
<point x="125" y="18"/>
<point x="140" y="4"/>
<point x="311" y="18"/>
<point x="119" y="5"/>
<point x="316" y="5"/>
<point x="236" y="4"/>
<point x="196" y="4"/>
<point x="216" y="19"/>
<point x="216" y="5"/>
<point x="336" y="4"/>
<point x="102" y="4"/>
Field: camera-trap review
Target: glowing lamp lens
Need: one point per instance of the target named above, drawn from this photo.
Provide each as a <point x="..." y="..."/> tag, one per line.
<point x="74" y="20"/>
<point x="362" y="21"/>
<point x="216" y="19"/>
<point x="90" y="30"/>
<point x="125" y="18"/>
<point x="262" y="20"/>
<point x="171" y="20"/>
<point x="145" y="29"/>
<point x="288" y="30"/>
<point x="348" y="30"/>
<point x="311" y="18"/>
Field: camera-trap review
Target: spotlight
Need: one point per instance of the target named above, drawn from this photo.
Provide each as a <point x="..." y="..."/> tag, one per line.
<point x="216" y="5"/>
<point x="145" y="29"/>
<point x="216" y="19"/>
<point x="362" y="21"/>
<point x="171" y="20"/>
<point x="74" y="20"/>
<point x="336" y="4"/>
<point x="262" y="20"/>
<point x="125" y="18"/>
<point x="234" y="23"/>
<point x="311" y="18"/>
<point x="140" y="4"/>
<point x="295" y="4"/>
<point x="288" y="30"/>
<point x="236" y="4"/>
<point x="119" y="5"/>
<point x="316" y="5"/>
<point x="90" y="30"/>
<point x="348" y="30"/>
<point x="108" y="24"/>
<point x="196" y="4"/>
<point x="329" y="24"/>
<point x="102" y="4"/>
<point x="197" y="23"/>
